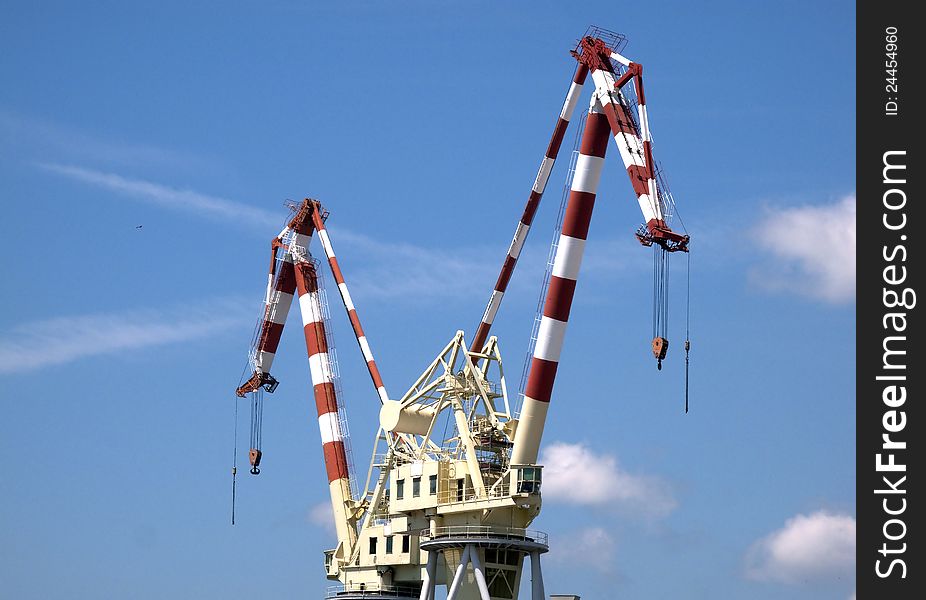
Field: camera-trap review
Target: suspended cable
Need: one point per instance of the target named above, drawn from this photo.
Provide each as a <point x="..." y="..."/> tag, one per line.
<point x="257" y="418"/>
<point x="687" y="327"/>
<point x="660" y="303"/>
<point x="235" y="464"/>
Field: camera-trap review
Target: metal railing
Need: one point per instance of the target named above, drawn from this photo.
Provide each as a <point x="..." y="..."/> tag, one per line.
<point x="486" y="532"/>
<point x="451" y="495"/>
<point x="615" y="41"/>
<point x="372" y="589"/>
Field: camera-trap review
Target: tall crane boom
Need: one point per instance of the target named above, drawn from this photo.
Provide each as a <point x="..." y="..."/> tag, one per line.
<point x="594" y="53"/>
<point x="293" y="272"/>
<point x="285" y="249"/>
<point x="326" y="404"/>
<point x="281" y="286"/>
<point x="562" y="287"/>
<point x="533" y="203"/>
<point x="633" y="139"/>
<point x="608" y="117"/>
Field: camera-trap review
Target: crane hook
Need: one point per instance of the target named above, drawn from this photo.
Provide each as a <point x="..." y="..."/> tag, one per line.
<point x="660" y="348"/>
<point x="254" y="456"/>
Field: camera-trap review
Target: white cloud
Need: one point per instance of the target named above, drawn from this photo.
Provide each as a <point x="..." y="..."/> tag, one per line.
<point x="573" y="473"/>
<point x="591" y="547"/>
<point x="813" y="248"/>
<point x="809" y="548"/>
<point x="60" y="340"/>
<point x="321" y="515"/>
<point x="171" y="198"/>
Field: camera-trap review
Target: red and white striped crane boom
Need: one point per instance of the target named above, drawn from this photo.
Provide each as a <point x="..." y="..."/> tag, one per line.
<point x="634" y="142"/>
<point x="610" y="115"/>
<point x="326" y="404"/>
<point x="281" y="286"/>
<point x="292" y="270"/>
<point x="309" y="217"/>
<point x="533" y="202"/>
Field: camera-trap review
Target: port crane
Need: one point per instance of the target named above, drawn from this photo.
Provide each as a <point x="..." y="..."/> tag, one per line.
<point x="454" y="483"/>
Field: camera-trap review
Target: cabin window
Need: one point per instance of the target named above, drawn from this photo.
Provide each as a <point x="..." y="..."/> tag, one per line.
<point x="388" y="544"/>
<point x="405" y="544"/>
<point x="416" y="487"/>
<point x="372" y="546"/>
<point x="529" y="480"/>
<point x="432" y="483"/>
<point x="399" y="489"/>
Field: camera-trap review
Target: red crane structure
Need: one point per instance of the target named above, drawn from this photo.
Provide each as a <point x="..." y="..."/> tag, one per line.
<point x="454" y="508"/>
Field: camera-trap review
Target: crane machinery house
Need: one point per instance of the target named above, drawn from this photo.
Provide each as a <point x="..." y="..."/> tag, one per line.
<point x="453" y="484"/>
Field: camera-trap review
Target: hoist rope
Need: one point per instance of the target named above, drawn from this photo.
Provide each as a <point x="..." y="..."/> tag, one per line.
<point x="660" y="291"/>
<point x="665" y="291"/>
<point x="655" y="292"/>
<point x="687" y="327"/>
<point x="235" y="464"/>
<point x="257" y="422"/>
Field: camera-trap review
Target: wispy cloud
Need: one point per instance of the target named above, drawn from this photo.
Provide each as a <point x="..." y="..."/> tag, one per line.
<point x="590" y="547"/>
<point x="575" y="474"/>
<point x="387" y="270"/>
<point x="37" y="344"/>
<point x="391" y="270"/>
<point x="28" y="135"/>
<point x="608" y="257"/>
<point x="168" y="197"/>
<point x="809" y="548"/>
<point x="812" y="250"/>
<point x="400" y="270"/>
<point x="321" y="515"/>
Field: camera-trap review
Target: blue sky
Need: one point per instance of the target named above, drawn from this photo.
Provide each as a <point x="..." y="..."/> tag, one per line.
<point x="420" y="125"/>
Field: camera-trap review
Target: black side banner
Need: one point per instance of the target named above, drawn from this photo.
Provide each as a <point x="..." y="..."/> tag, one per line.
<point x="890" y="166"/>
